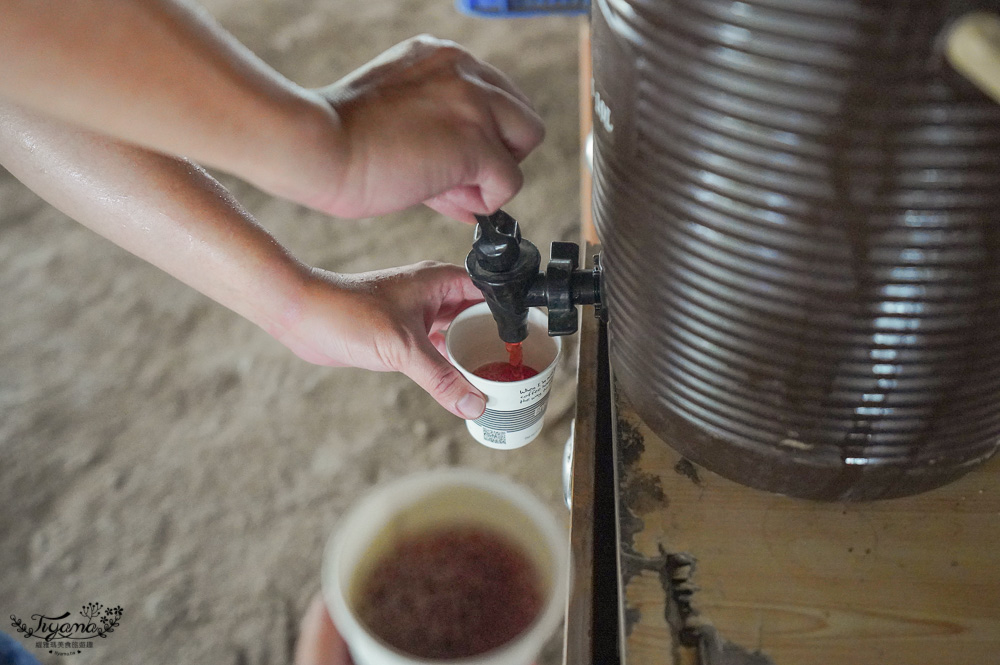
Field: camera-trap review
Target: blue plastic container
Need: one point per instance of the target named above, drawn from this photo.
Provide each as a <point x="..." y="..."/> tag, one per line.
<point x="521" y="8"/>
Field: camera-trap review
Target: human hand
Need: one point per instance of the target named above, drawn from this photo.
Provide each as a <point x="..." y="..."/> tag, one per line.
<point x="427" y="122"/>
<point x="319" y="642"/>
<point x="388" y="320"/>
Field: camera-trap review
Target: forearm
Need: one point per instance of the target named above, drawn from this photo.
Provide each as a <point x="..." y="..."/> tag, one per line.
<point x="163" y="209"/>
<point x="424" y="122"/>
<point x="164" y="75"/>
<point x="173" y="214"/>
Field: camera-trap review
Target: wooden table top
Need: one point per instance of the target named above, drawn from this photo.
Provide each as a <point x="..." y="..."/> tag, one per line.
<point x="748" y="576"/>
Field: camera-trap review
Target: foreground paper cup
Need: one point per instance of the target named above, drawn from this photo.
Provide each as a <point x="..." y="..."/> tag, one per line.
<point x="430" y="500"/>
<point x="515" y="410"/>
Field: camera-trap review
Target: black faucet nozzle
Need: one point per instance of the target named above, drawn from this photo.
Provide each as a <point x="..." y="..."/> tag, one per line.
<point x="497" y="242"/>
<point x="505" y="267"/>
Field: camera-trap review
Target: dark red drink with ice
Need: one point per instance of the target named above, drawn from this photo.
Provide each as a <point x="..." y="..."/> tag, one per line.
<point x="449" y="593"/>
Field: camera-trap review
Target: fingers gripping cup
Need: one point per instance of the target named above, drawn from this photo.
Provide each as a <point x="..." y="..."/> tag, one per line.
<point x="454" y="565"/>
<point x="515" y="410"/>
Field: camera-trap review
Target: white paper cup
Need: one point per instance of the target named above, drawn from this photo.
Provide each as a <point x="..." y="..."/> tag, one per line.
<point x="515" y="410"/>
<point x="429" y="500"/>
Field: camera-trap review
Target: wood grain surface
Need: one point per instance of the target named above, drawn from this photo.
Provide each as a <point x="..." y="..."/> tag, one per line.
<point x="758" y="577"/>
<point x="578" y="635"/>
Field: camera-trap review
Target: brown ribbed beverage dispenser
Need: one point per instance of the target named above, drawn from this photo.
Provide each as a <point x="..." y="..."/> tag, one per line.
<point x="799" y="205"/>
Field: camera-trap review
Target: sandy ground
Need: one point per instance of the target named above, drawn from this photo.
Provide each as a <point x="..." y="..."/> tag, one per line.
<point x="159" y="453"/>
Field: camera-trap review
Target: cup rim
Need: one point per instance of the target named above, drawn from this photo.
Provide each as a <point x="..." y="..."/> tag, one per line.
<point x="428" y="482"/>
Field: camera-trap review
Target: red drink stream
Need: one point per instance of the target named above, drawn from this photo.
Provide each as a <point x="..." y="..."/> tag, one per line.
<point x="513" y="370"/>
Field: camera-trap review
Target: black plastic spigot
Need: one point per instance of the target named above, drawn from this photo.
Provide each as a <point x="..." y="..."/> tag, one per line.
<point x="505" y="267"/>
<point x="498" y="242"/>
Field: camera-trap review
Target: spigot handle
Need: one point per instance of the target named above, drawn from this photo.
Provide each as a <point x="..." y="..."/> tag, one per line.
<point x="563" y="261"/>
<point x="497" y="241"/>
<point x="564" y="286"/>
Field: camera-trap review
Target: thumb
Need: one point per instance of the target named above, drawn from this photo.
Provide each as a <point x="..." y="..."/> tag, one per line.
<point x="432" y="372"/>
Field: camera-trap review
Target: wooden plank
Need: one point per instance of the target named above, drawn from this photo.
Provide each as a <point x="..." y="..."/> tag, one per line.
<point x="578" y="627"/>
<point x="578" y="636"/>
<point x="586" y="107"/>
<point x="910" y="581"/>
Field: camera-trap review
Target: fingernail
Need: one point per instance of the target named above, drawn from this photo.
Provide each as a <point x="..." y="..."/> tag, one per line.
<point x="471" y="406"/>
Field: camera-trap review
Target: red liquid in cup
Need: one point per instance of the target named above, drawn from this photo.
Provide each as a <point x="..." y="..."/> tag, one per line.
<point x="451" y="593"/>
<point x="513" y="370"/>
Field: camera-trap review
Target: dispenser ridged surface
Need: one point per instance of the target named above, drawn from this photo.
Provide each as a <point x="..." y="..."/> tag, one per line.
<point x="799" y="206"/>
